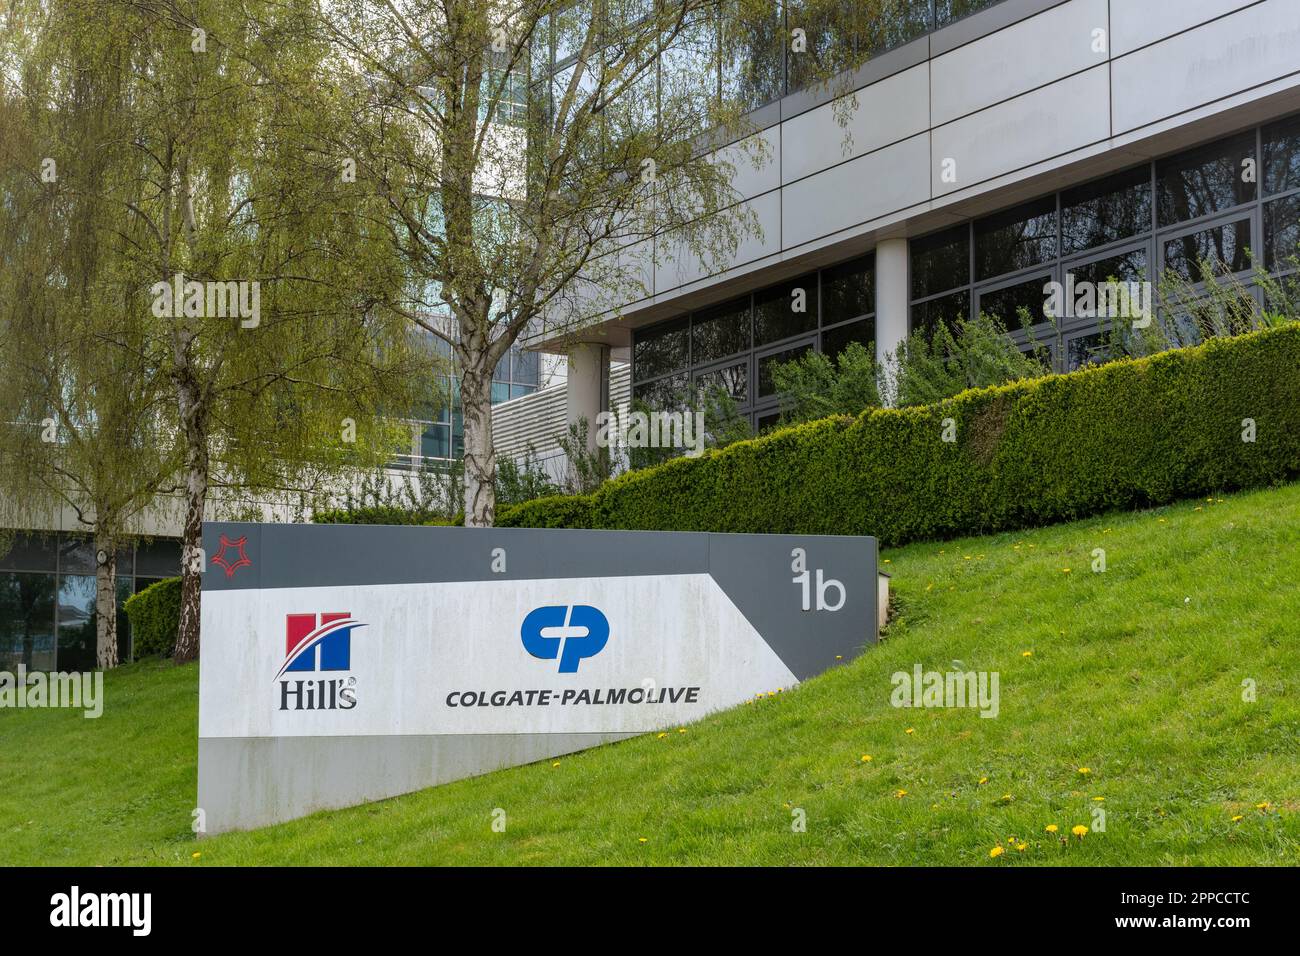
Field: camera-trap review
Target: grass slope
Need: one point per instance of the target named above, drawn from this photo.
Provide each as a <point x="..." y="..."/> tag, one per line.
<point x="1136" y="674"/>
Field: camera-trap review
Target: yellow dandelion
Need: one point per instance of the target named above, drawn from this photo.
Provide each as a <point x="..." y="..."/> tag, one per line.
<point x="556" y="764"/>
<point x="660" y="736"/>
<point x="1021" y="847"/>
<point x="866" y="758"/>
<point x="1051" y="828"/>
<point x="1065" y="570"/>
<point x="910" y="730"/>
<point x="1079" y="830"/>
<point x="996" y="852"/>
<point x="642" y="840"/>
<point x="1084" y="770"/>
<point x="983" y="780"/>
<point x="195" y="855"/>
<point x="900" y="794"/>
<point x="1238" y="818"/>
<point x="886" y="561"/>
<point x="1262" y="806"/>
<point x="1098" y="799"/>
<point x="681" y="730"/>
<point x="1026" y="653"/>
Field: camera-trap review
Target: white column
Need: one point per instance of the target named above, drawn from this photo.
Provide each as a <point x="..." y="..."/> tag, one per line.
<point x="892" y="294"/>
<point x="588" y="386"/>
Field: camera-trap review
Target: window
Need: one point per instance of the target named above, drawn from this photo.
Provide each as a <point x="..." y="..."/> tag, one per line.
<point x="1016" y="239"/>
<point x="766" y="385"/>
<point x="1282" y="234"/>
<point x="1006" y="304"/>
<point x="732" y="379"/>
<point x="848" y="290"/>
<point x="27" y="620"/>
<point x="940" y="261"/>
<point x="720" y="331"/>
<point x="1282" y="156"/>
<point x="1226" y="248"/>
<point x="785" y="310"/>
<point x="946" y="310"/>
<point x="1206" y="180"/>
<point x="1107" y="211"/>
<point x="836" y="340"/>
<point x="661" y="349"/>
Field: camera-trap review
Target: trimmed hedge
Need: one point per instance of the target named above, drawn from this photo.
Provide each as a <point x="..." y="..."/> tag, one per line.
<point x="1127" y="434"/>
<point x="155" y="615"/>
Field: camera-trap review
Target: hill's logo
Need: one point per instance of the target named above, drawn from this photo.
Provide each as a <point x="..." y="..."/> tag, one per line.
<point x="318" y="643"/>
<point x="569" y="633"/>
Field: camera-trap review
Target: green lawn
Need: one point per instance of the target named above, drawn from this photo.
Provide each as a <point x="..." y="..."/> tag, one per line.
<point x="1136" y="674"/>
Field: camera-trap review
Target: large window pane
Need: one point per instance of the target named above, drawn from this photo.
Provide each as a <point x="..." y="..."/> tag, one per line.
<point x="836" y="340"/>
<point x="1015" y="239"/>
<point x="848" y="290"/>
<point x="894" y="24"/>
<point x="1282" y="156"/>
<point x="1128" y="266"/>
<point x="829" y="49"/>
<point x="753" y="57"/>
<point x="785" y="310"/>
<point x="1282" y="233"/>
<point x="947" y="309"/>
<point x="733" y="379"/>
<point x="660" y="349"/>
<point x="524" y="368"/>
<point x="1205" y="180"/>
<point x="1115" y="208"/>
<point x="665" y="394"/>
<point x="1006" y="305"/>
<point x="688" y="78"/>
<point x="949" y="10"/>
<point x="766" y="385"/>
<point x="76" y="622"/>
<point x="720" y="331"/>
<point x="26" y="621"/>
<point x="1225" y="247"/>
<point x="940" y="261"/>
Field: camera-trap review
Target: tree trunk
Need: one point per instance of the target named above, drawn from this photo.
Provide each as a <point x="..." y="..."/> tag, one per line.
<point x="106" y="604"/>
<point x="480" y="454"/>
<point x="196" y="492"/>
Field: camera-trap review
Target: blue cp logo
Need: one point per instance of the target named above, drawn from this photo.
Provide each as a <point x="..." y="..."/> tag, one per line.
<point x="569" y="633"/>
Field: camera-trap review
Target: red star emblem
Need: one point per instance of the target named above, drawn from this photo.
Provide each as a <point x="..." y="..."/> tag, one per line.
<point x="238" y="561"/>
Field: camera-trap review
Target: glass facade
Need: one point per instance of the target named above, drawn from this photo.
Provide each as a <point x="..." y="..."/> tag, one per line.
<point x="735" y="344"/>
<point x="743" y="58"/>
<point x="47" y="599"/>
<point x="1235" y="202"/>
<point x="440" y="437"/>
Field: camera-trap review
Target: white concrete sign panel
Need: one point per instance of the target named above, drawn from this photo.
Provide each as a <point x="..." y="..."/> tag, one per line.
<point x="348" y="663"/>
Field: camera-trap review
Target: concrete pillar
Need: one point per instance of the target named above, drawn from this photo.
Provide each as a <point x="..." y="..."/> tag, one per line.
<point x="892" y="295"/>
<point x="588" y="386"/>
<point x="893" y="290"/>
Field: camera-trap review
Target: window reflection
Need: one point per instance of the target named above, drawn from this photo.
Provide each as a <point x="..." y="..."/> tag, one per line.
<point x="1206" y="180"/>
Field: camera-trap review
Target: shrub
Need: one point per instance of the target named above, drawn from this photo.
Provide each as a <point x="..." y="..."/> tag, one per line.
<point x="155" y="614"/>
<point x="1130" y="433"/>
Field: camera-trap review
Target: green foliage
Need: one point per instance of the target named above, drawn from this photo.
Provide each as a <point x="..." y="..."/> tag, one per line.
<point x="520" y="481"/>
<point x="814" y="386"/>
<point x="155" y="614"/>
<point x="723" y="424"/>
<point x="978" y="354"/>
<point x="1121" y="435"/>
